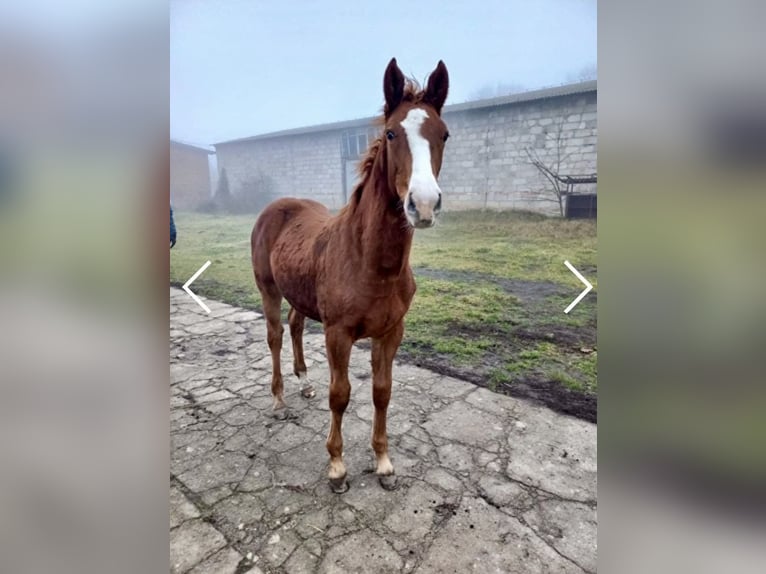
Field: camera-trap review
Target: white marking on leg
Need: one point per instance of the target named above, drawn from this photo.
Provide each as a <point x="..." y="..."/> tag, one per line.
<point x="337" y="469"/>
<point x="423" y="187"/>
<point x="307" y="389"/>
<point x="384" y="465"/>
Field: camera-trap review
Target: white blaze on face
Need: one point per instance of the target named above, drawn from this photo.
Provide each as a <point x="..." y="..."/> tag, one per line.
<point x="423" y="188"/>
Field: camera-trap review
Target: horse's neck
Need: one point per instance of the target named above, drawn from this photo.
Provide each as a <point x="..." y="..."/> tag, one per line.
<point x="386" y="236"/>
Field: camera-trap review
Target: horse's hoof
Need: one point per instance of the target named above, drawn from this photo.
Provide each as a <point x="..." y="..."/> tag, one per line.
<point x="388" y="481"/>
<point x="284" y="414"/>
<point x="308" y="392"/>
<point x="339" y="485"/>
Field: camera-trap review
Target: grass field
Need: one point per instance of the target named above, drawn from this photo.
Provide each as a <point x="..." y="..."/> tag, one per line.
<point x="492" y="289"/>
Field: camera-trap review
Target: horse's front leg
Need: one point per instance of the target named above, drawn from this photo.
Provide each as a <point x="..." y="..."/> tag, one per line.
<point x="383" y="352"/>
<point x="338" y="342"/>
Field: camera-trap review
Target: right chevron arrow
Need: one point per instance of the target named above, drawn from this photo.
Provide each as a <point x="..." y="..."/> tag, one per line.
<point x="585" y="291"/>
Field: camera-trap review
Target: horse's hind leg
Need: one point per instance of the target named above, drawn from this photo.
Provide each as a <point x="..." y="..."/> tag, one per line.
<point x="272" y="309"/>
<point x="297" y="321"/>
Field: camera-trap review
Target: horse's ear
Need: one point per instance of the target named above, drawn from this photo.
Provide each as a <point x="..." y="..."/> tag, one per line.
<point x="393" y="86"/>
<point x="437" y="88"/>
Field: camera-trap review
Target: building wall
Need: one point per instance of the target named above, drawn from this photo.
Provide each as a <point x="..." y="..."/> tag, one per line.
<point x="307" y="165"/>
<point x="189" y="177"/>
<point x="485" y="164"/>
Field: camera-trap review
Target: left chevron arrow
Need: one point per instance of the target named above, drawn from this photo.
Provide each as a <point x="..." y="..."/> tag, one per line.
<point x="199" y="272"/>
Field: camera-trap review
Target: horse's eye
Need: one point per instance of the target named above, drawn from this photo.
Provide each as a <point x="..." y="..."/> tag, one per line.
<point x="390" y="135"/>
<point x="446" y="136"/>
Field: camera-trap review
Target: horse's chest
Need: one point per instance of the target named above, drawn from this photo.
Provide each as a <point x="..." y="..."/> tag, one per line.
<point x="384" y="311"/>
<point x="368" y="308"/>
<point x="384" y="317"/>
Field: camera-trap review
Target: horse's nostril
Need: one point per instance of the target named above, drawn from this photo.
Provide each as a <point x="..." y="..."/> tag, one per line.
<point x="438" y="205"/>
<point x="411" y="204"/>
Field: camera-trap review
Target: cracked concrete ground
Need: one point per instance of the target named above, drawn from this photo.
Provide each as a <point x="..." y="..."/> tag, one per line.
<point x="487" y="483"/>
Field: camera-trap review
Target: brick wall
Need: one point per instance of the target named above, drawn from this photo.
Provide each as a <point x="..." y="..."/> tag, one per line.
<point x="306" y="165"/>
<point x="189" y="177"/>
<point x="485" y="164"/>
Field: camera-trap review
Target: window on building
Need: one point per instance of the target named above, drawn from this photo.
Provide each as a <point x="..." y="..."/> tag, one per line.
<point x="354" y="143"/>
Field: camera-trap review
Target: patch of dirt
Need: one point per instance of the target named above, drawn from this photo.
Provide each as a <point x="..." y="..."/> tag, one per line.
<point x="552" y="394"/>
<point x="474" y="330"/>
<point x="555" y="396"/>
<point x="524" y="290"/>
<point x="562" y="336"/>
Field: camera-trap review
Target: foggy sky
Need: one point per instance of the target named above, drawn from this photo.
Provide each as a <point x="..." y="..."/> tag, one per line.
<point x="240" y="68"/>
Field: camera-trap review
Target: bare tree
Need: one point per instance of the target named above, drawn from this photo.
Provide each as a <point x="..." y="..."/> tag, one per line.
<point x="551" y="169"/>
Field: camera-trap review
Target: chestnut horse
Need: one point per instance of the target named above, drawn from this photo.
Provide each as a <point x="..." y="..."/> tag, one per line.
<point x="351" y="271"/>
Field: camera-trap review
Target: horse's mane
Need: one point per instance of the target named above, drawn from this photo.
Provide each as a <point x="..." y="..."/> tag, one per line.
<point x="412" y="93"/>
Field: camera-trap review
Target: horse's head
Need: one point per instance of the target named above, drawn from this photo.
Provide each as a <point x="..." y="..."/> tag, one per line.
<point x="415" y="137"/>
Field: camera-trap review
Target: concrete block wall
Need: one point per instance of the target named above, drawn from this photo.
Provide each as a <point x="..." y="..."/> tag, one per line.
<point x="485" y="164"/>
<point x="306" y="166"/>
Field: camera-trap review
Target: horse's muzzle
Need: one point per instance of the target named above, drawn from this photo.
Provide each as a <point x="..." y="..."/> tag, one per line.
<point x="422" y="214"/>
